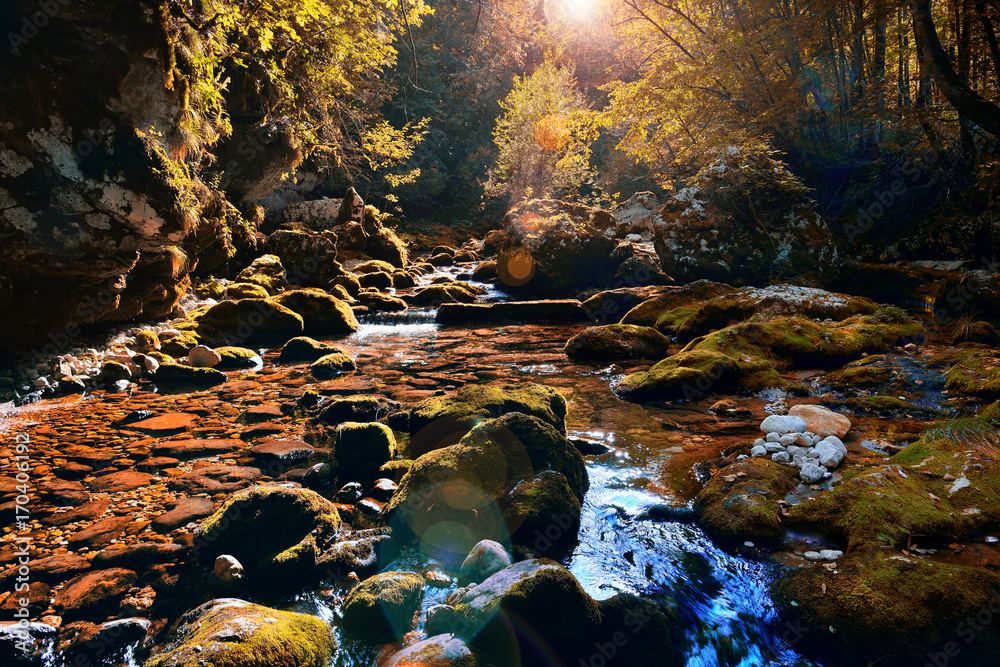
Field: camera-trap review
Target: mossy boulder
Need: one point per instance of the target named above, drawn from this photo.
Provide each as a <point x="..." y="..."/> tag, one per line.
<point x="383" y="606"/>
<point x="246" y="291"/>
<point x="146" y="341"/>
<point x="331" y="365"/>
<point x="267" y="272"/>
<point x="227" y="632"/>
<point x="377" y="279"/>
<point x="358" y="409"/>
<point x="350" y="284"/>
<point x="609" y="306"/>
<point x="178" y="374"/>
<point x="376" y="302"/>
<point x="891" y="609"/>
<point x="748" y="355"/>
<point x="303" y="348"/>
<point x="543" y="514"/>
<point x="617" y="341"/>
<point x="178" y="346"/>
<point x="362" y="448"/>
<point x="385" y="245"/>
<point x="461" y="487"/>
<point x="453" y="292"/>
<point x="740" y="502"/>
<point x="436" y="651"/>
<point x="645" y="631"/>
<point x="971" y="370"/>
<point x="693" y="310"/>
<point x="944" y="487"/>
<point x="298" y="524"/>
<point x="310" y="258"/>
<point x="322" y="314"/>
<point x="402" y="279"/>
<point x="540" y="597"/>
<point x="237" y="358"/>
<point x="250" y="322"/>
<point x="889" y="406"/>
<point x="441" y="420"/>
<point x="373" y="265"/>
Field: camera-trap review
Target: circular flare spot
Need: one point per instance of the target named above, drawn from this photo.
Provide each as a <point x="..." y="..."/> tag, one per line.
<point x="515" y="267"/>
<point x="551" y="133"/>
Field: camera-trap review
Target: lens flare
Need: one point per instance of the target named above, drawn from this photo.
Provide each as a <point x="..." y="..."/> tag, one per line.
<point x="551" y="133"/>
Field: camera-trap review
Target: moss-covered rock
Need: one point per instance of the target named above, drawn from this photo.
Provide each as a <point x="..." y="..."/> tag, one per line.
<point x="453" y="292"/>
<point x="178" y="374"/>
<point x="543" y="514"/>
<point x="376" y="302"/>
<point x="146" y="341"/>
<point x="322" y="314"/>
<point x="358" y="409"/>
<point x="436" y="651"/>
<point x="385" y="245"/>
<point x="233" y="633"/>
<point x="539" y="596"/>
<point x="246" y="291"/>
<point x="304" y="348"/>
<point x="267" y="272"/>
<point x="441" y="420"/>
<point x="350" y="284"/>
<point x="371" y="266"/>
<point x="212" y="289"/>
<point x="892" y="609"/>
<point x="237" y="358"/>
<point x="889" y="406"/>
<point x="748" y="355"/>
<point x="971" y="370"/>
<point x="178" y="346"/>
<point x="377" y="279"/>
<point x="297" y="522"/>
<point x="384" y="606"/>
<point x="464" y="483"/>
<point x="617" y="341"/>
<point x="310" y="258"/>
<point x="362" y="448"/>
<point x="644" y="631"/>
<point x="331" y="365"/>
<point x="248" y="322"/>
<point x="740" y="502"/>
<point x="944" y="487"/>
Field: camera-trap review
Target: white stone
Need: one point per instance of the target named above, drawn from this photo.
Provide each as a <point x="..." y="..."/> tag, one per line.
<point x="836" y="442"/>
<point x="780" y="457"/>
<point x="227" y="570"/>
<point x="759" y="442"/>
<point x="830" y="554"/>
<point x="772" y="437"/>
<point x="811" y="473"/>
<point x="202" y="356"/>
<point x="829" y="455"/>
<point x="485" y="559"/>
<point x="783" y="424"/>
<point x="758" y="451"/>
<point x="787" y="440"/>
<point x="773" y="447"/>
<point x="813" y="555"/>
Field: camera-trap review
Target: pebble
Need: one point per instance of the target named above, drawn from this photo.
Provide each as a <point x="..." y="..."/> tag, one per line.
<point x="810" y="473"/>
<point x="783" y="424"/>
<point x="772" y="437"/>
<point x="758" y="451"/>
<point x="780" y="457"/>
<point x="788" y="439"/>
<point x="830" y="554"/>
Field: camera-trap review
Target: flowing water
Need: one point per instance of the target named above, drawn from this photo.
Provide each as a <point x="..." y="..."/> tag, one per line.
<point x="723" y="598"/>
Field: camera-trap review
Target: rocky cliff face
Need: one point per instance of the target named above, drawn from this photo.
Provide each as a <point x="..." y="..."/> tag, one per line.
<point x="101" y="215"/>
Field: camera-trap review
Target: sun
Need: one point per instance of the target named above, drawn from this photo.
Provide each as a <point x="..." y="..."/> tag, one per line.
<point x="578" y="9"/>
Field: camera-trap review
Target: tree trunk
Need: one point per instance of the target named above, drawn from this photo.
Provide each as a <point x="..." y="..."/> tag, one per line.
<point x="982" y="112"/>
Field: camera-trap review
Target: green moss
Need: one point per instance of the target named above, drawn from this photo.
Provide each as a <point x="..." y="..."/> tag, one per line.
<point x="860" y="376"/>
<point x="374" y="265"/>
<point x="248" y="322"/>
<point x="383" y="606"/>
<point x="322" y="314"/>
<point x="476" y="403"/>
<point x="178" y="346"/>
<point x="266" y="638"/>
<point x="396" y="469"/>
<point x="884" y="608"/>
<point x="350" y="284"/>
<point x="236" y="358"/>
<point x="971" y="372"/>
<point x="246" y="291"/>
<point x="211" y="290"/>
<point x="534" y="506"/>
<point x="735" y="507"/>
<point x="617" y="341"/>
<point x="267" y="272"/>
<point x="163" y="358"/>
<point x="361" y="449"/>
<point x="331" y="365"/>
<point x="304" y="348"/>
<point x="170" y="373"/>
<point x="749" y="354"/>
<point x="287" y="515"/>
<point x="147" y="340"/>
